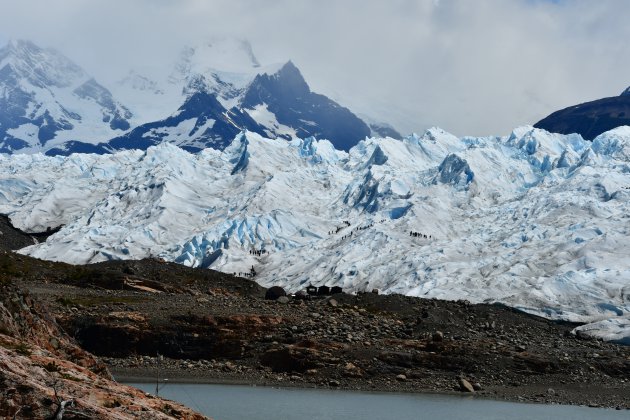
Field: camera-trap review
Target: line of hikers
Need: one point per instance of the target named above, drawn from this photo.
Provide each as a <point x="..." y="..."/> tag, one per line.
<point x="250" y="273"/>
<point x="364" y="227"/>
<point x="338" y="228"/>
<point x="419" y="235"/>
<point x="257" y="252"/>
<point x="357" y="228"/>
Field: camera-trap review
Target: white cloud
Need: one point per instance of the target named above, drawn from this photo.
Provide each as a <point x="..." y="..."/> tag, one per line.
<point x="473" y="67"/>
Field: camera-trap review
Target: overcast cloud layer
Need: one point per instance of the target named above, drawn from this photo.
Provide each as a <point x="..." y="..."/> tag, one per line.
<point x="471" y="67"/>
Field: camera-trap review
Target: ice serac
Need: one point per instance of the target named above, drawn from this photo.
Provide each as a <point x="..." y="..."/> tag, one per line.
<point x="240" y="155"/>
<point x="534" y="220"/>
<point x="287" y="95"/>
<point x="455" y="171"/>
<point x="46" y="100"/>
<point x="614" y="144"/>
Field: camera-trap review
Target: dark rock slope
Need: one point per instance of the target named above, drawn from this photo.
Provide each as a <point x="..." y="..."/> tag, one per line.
<point x="287" y="95"/>
<point x="12" y="238"/>
<point x="590" y="119"/>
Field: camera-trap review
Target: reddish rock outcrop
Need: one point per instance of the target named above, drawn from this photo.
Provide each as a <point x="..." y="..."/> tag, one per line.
<point x="41" y="367"/>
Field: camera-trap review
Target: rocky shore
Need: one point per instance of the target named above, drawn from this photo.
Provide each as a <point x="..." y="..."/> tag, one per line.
<point x="555" y="391"/>
<point x="44" y="374"/>
<point x="212" y="327"/>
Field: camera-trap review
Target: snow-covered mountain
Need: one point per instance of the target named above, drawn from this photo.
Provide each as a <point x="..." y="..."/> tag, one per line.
<point x="47" y="100"/>
<point x="223" y="89"/>
<point x="212" y="92"/>
<point x="534" y="220"/>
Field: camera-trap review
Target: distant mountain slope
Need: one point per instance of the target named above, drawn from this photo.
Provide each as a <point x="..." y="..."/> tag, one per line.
<point x="274" y="105"/>
<point x="380" y="128"/>
<point x="214" y="91"/>
<point x="46" y="100"/>
<point x="199" y="123"/>
<point x="590" y="119"/>
<point x="286" y="95"/>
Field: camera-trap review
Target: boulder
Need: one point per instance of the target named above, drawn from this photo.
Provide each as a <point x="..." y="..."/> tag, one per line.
<point x="352" y="371"/>
<point x="438" y="336"/>
<point x="290" y="359"/>
<point x="465" y="386"/>
<point x="273" y="293"/>
<point x="301" y="295"/>
<point x="335" y="290"/>
<point x="323" y="290"/>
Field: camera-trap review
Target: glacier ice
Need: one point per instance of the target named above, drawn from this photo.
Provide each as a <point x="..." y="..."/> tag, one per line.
<point x="534" y="220"/>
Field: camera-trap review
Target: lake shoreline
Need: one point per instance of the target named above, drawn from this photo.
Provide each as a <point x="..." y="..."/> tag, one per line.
<point x="552" y="394"/>
<point x="234" y="402"/>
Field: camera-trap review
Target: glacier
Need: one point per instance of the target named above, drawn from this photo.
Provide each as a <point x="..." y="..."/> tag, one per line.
<point x="533" y="220"/>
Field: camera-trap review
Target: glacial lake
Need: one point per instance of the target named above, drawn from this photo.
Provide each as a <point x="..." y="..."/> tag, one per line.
<point x="236" y="402"/>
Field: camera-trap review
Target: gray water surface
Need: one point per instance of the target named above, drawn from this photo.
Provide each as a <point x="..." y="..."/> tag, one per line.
<point x="235" y="402"/>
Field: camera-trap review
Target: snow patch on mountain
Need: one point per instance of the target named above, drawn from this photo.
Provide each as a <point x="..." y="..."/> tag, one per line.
<point x="187" y="131"/>
<point x="535" y="220"/>
<point x="261" y="114"/>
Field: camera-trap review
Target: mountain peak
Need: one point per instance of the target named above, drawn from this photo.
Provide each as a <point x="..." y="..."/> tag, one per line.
<point x="291" y="78"/>
<point x="40" y="66"/>
<point x="289" y="66"/>
<point x="590" y="119"/>
<point x="17" y="49"/>
<point x="288" y="97"/>
<point x="224" y="54"/>
<point x="17" y="46"/>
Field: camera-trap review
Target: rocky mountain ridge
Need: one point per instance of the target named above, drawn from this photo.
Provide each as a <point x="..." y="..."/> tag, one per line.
<point x="50" y="104"/>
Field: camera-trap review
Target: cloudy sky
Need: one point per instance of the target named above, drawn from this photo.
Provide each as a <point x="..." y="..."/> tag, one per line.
<point x="472" y="67"/>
